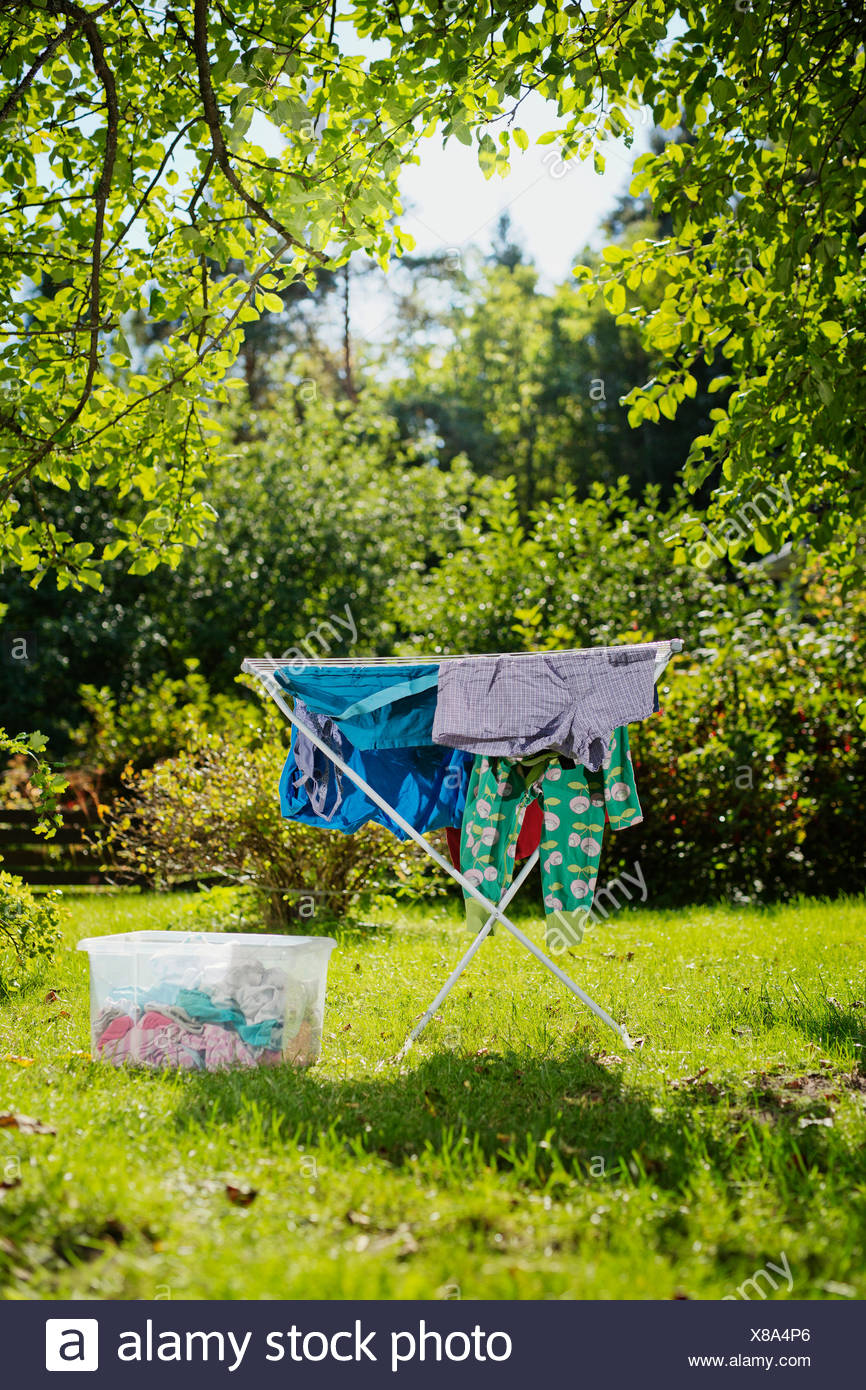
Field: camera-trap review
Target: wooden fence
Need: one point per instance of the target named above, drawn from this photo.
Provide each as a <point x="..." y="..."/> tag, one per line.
<point x="64" y="859"/>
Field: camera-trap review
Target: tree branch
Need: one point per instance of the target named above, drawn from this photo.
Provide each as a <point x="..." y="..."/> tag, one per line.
<point x="27" y="80"/>
<point x="218" y="145"/>
<point x="87" y="22"/>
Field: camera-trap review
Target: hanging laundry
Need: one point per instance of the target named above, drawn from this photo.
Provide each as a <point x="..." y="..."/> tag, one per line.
<point x="575" y="802"/>
<point x="316" y="774"/>
<point x="561" y="702"/>
<point x="426" y="784"/>
<point x="376" y="707"/>
<point x="528" y="839"/>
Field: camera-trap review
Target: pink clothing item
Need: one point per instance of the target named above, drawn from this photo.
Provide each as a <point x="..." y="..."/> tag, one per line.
<point x="155" y="1042"/>
<point x="154" y="1019"/>
<point x="162" y="1040"/>
<point x="223" y="1048"/>
<point x="111" y="1038"/>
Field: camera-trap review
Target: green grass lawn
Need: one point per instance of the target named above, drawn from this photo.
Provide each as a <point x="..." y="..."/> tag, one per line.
<point x="516" y="1153"/>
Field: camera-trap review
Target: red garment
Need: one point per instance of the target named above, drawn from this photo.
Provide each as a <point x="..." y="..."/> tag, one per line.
<point x="527" y="841"/>
<point x="530" y="831"/>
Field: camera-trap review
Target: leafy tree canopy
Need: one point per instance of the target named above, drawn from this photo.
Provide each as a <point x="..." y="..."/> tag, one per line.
<point x="140" y="169"/>
<point x="149" y="150"/>
<point x="529" y="384"/>
<point x="762" y="271"/>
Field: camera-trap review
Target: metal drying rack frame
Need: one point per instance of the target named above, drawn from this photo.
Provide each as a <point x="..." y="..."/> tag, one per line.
<point x="264" y="670"/>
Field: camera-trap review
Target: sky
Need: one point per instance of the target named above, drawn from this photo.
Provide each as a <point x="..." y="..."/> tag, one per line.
<point x="555" y="208"/>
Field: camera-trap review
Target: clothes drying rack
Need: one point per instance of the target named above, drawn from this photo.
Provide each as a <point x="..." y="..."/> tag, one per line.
<point x="264" y="670"/>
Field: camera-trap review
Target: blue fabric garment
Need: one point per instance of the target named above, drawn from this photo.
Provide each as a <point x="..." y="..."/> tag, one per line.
<point x="315" y="769"/>
<point x="427" y="785"/>
<point x="390" y="706"/>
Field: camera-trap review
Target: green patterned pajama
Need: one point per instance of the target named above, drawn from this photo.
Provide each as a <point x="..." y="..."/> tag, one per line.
<point x="575" y="805"/>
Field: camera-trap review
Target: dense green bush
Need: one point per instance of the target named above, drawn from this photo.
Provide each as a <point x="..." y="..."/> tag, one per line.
<point x="582" y="572"/>
<point x="221" y="908"/>
<point x="321" y="508"/>
<point x="751" y="779"/>
<point x="29" y="932"/>
<point x="153" y="721"/>
<point x="212" y="812"/>
<point x="27" y="781"/>
<point x="753" y="776"/>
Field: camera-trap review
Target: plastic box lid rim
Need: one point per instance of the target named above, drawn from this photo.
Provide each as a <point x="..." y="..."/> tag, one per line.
<point x="137" y="939"/>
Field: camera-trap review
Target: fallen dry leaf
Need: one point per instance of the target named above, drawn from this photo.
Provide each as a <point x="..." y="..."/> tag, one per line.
<point x="8" y="1183"/>
<point x="51" y="997"/>
<point x="24" y="1124"/>
<point x="241" y="1196"/>
<point x="358" y="1218"/>
<point x="688" y="1080"/>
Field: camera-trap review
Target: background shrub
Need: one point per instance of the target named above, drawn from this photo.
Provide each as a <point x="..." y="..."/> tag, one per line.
<point x="29" y="932"/>
<point x="155" y="720"/>
<point x="753" y="776"/>
<point x="212" y="812"/>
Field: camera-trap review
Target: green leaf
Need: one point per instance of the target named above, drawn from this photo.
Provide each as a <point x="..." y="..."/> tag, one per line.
<point x="614" y="296"/>
<point x="832" y="330"/>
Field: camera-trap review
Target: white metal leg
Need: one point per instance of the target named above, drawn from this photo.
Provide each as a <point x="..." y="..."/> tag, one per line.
<point x="495" y="910"/>
<point x="568" y="982"/>
<point x="466" y="958"/>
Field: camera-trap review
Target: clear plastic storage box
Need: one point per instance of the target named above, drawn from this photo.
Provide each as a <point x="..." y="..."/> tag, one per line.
<point x="206" y="1000"/>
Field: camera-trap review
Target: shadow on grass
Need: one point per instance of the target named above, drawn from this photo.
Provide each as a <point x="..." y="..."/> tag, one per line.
<point x="511" y="1111"/>
<point x="534" y="1117"/>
